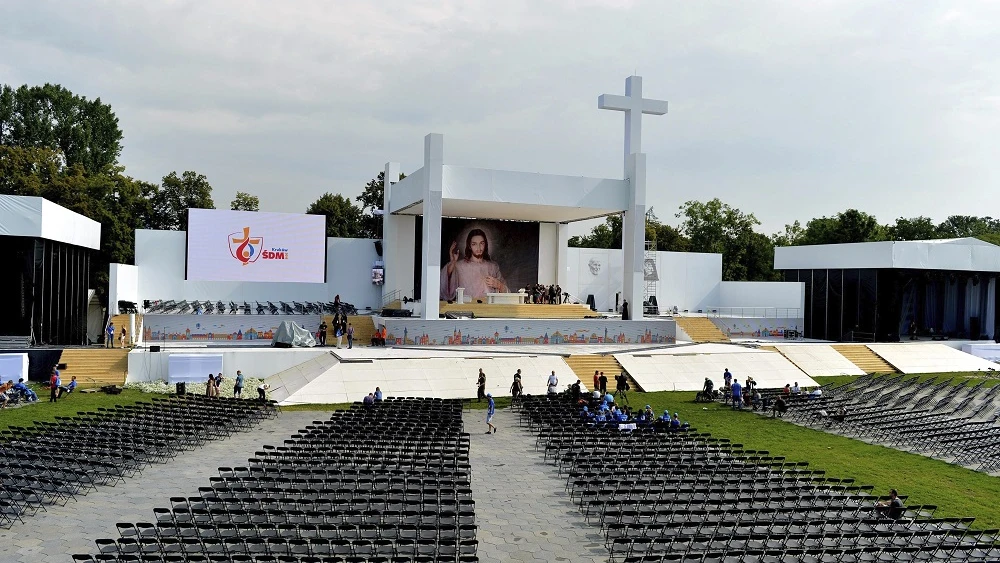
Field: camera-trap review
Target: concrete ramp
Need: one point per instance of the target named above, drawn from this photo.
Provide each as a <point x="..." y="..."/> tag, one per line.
<point x="288" y="382"/>
<point x="687" y="371"/>
<point x="930" y="358"/>
<point x="445" y="377"/>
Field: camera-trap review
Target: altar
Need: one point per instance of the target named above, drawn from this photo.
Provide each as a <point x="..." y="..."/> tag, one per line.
<point x="506" y="298"/>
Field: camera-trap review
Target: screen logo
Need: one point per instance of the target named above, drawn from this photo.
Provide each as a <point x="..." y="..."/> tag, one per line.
<point x="248" y="249"/>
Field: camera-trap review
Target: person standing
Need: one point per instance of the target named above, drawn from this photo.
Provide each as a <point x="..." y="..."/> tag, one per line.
<point x="481" y="386"/>
<point x="350" y="336"/>
<point x="516" y="388"/>
<point x="109" y="339"/>
<point x="262" y="391"/>
<point x="553" y="383"/>
<point x="597" y="381"/>
<point x="621" y="387"/>
<point x="123" y="337"/>
<point x="603" y="380"/>
<point x="737" y="394"/>
<point x="238" y="386"/>
<point x="378" y="394"/>
<point x="322" y="333"/>
<point x="54" y="385"/>
<point x="491" y="409"/>
<point x="210" y="386"/>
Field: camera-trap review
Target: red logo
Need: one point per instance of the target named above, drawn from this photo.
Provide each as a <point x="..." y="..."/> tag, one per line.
<point x="248" y="249"/>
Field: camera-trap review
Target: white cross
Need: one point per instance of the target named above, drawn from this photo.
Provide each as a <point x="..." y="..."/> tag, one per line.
<point x="632" y="102"/>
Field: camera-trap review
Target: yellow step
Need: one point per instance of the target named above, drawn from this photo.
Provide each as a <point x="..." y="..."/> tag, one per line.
<point x="584" y="366"/>
<point x="364" y="328"/>
<point x="701" y="329"/>
<point x="863" y="357"/>
<point x="94" y="367"/>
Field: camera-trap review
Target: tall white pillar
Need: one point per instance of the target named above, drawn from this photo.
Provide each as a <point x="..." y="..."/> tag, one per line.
<point x="390" y="225"/>
<point x="562" y="256"/>
<point x="430" y="258"/>
<point x="634" y="234"/>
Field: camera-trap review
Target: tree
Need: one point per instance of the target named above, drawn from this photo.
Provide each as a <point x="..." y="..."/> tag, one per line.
<point x="847" y="226"/>
<point x="913" y="228"/>
<point x="605" y="235"/>
<point x="245" y="202"/>
<point x="667" y="238"/>
<point x="84" y="131"/>
<point x="372" y="199"/>
<point x="169" y="204"/>
<point x="716" y="227"/>
<point x="343" y="218"/>
<point x="791" y="237"/>
<point x="957" y="226"/>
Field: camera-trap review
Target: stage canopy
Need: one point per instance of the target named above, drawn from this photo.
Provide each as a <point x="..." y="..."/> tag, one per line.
<point x="956" y="254"/>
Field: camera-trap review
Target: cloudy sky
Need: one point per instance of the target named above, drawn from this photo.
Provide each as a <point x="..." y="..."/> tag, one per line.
<point x="786" y="109"/>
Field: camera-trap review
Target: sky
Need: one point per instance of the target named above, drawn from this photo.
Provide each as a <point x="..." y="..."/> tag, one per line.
<point x="784" y="109"/>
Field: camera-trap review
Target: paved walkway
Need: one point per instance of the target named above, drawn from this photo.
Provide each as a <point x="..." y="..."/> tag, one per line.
<point x="522" y="508"/>
<point x="54" y="535"/>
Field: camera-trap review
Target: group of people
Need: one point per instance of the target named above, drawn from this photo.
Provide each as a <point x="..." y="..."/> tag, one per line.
<point x="19" y="391"/>
<point x="214" y="384"/>
<point x="542" y="294"/>
<point x="109" y="336"/>
<point x="602" y="409"/>
<point x="56" y="388"/>
<point x="622" y="386"/>
<point x="379" y="336"/>
<point x="341" y="329"/>
<point x="372" y="398"/>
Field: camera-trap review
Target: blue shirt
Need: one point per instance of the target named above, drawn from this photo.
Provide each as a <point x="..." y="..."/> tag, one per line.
<point x="378" y="395"/>
<point x="491" y="408"/>
<point x="111" y="330"/>
<point x="737" y="390"/>
<point x="21" y="387"/>
<point x="239" y="380"/>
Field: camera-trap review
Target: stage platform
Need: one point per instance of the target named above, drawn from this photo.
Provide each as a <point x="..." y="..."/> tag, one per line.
<point x="504" y="332"/>
<point x="520" y="311"/>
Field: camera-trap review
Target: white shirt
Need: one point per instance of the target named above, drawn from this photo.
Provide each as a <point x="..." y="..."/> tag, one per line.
<point x="553" y="382"/>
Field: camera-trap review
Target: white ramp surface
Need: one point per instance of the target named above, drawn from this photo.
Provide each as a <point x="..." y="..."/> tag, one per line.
<point x="930" y="358"/>
<point x="687" y="372"/>
<point x="444" y="377"/>
<point x="819" y="360"/>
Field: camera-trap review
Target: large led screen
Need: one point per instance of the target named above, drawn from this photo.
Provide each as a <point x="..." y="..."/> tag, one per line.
<point x="487" y="256"/>
<point x="249" y="246"/>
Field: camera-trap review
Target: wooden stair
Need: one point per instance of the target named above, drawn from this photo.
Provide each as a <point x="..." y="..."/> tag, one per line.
<point x="519" y="311"/>
<point x="364" y="328"/>
<point x="123" y="321"/>
<point x="863" y="357"/>
<point x="701" y="329"/>
<point x="584" y="365"/>
<point x="94" y="367"/>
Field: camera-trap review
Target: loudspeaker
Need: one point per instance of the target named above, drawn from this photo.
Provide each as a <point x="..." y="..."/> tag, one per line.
<point x="282" y="344"/>
<point x="974" y="328"/>
<point x="181" y="388"/>
<point x="378" y="247"/>
<point x="396" y="312"/>
<point x="154" y="349"/>
<point x="60" y="366"/>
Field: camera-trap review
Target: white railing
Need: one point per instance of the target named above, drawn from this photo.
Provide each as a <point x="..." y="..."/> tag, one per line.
<point x="755" y="312"/>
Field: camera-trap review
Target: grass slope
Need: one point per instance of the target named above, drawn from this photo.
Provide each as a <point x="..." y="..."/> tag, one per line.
<point x="68" y="405"/>
<point x="956" y="491"/>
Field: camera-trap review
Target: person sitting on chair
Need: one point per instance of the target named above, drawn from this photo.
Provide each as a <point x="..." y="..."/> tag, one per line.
<point x="68" y="388"/>
<point x="892" y="508"/>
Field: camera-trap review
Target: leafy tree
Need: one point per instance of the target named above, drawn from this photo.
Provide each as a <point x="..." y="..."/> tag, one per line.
<point x="847" y="226"/>
<point x="245" y="202"/>
<point x="84" y="131"/>
<point x="605" y="235"/>
<point x="372" y="199"/>
<point x="790" y="237"/>
<point x="957" y="226"/>
<point x="666" y="237"/>
<point x="717" y="227"/>
<point x="913" y="228"/>
<point x="343" y="218"/>
<point x="169" y="204"/>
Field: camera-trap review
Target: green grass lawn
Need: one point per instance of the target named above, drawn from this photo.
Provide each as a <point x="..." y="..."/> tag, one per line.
<point x="956" y="491"/>
<point x="68" y="405"/>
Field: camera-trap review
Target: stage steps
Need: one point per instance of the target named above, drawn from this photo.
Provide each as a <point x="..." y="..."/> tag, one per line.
<point x="701" y="329"/>
<point x="364" y="328"/>
<point x="521" y="311"/>
<point x="94" y="367"/>
<point x="583" y="365"/>
<point x="863" y="357"/>
<point x="123" y="320"/>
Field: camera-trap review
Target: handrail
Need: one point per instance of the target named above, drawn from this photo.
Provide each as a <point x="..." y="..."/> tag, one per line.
<point x="755" y="312"/>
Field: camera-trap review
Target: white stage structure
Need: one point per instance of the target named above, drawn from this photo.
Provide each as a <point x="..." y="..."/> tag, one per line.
<point x="930" y="358"/>
<point x="684" y="368"/>
<point x="438" y="190"/>
<point x="13" y="367"/>
<point x="819" y="360"/>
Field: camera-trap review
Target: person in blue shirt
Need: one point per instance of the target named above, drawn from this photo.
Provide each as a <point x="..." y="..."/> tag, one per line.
<point x="109" y="340"/>
<point x="737" y="395"/>
<point x="491" y="409"/>
<point x="238" y="386"/>
<point x="675" y="422"/>
<point x="68" y="388"/>
<point x="378" y="395"/>
<point x="25" y="391"/>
